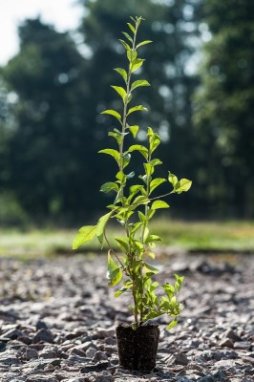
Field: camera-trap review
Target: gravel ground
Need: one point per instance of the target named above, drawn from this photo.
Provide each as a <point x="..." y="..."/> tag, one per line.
<point x="57" y="322"/>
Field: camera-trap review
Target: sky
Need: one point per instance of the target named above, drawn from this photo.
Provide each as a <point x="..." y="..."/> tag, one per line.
<point x="64" y="14"/>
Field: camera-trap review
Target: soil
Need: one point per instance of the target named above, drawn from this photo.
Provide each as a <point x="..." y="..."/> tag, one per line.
<point x="58" y="319"/>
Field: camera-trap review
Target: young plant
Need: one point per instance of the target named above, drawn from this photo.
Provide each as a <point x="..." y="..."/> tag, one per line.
<point x="135" y="205"/>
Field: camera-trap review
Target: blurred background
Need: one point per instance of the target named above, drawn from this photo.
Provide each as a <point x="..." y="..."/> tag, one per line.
<point x="57" y="61"/>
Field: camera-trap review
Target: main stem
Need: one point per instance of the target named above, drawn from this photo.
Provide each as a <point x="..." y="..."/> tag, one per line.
<point x="121" y="150"/>
<point x="143" y="233"/>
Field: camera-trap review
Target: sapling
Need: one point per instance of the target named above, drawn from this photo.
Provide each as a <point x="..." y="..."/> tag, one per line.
<point x="136" y="199"/>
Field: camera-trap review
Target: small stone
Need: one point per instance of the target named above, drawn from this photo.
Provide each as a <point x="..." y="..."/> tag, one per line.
<point x="104" y="378"/>
<point x="76" y="333"/>
<point x="232" y="335"/>
<point x="50" y="352"/>
<point x="226" y="342"/>
<point x="91" y="351"/>
<point x="9" y="360"/>
<point x="40" y="378"/>
<point x="13" y="334"/>
<point x="248" y="359"/>
<point x="207" y="378"/>
<point x="104" y="333"/>
<point x="99" y="366"/>
<point x="76" y="359"/>
<point x="78" y="351"/>
<point x="110" y="341"/>
<point x="181" y="359"/>
<point x="25" y="339"/>
<point x="31" y="354"/>
<point x="100" y="356"/>
<point x="41" y="325"/>
<point x="43" y="335"/>
<point x="244" y="345"/>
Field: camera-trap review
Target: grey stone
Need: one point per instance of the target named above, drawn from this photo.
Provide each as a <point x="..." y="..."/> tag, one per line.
<point x="76" y="359"/>
<point x="245" y="345"/>
<point x="207" y="378"/>
<point x="13" y="334"/>
<point x="104" y="333"/>
<point x="43" y="335"/>
<point x="41" y="325"/>
<point x="50" y="352"/>
<point x="226" y="342"/>
<point x="30" y="353"/>
<point x="40" y="378"/>
<point x="232" y="335"/>
<point x="8" y="360"/>
<point x="90" y="352"/>
<point x="99" y="366"/>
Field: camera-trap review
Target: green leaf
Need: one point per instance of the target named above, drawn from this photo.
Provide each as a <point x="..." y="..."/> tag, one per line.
<point x="172" y="179"/>
<point x="119" y="292"/>
<point x="169" y="289"/>
<point x="140" y="148"/>
<point x="178" y="282"/>
<point x="123" y="243"/>
<point x="156" y="162"/>
<point x="154" y="143"/>
<point x="142" y="43"/>
<point x="136" y="227"/>
<point x="125" y="45"/>
<point x="152" y="239"/>
<point x="136" y="108"/>
<point x="134" y="130"/>
<point x="130" y="175"/>
<point x="120" y="91"/>
<point x="183" y="185"/>
<point x="157" y="204"/>
<point x="121" y="176"/>
<point x="136" y="64"/>
<point x="150" y="268"/>
<point x="172" y="324"/>
<point x="132" y="55"/>
<point x="122" y="73"/>
<point x="139" y="83"/>
<point x="127" y="285"/>
<point x="150" y="254"/>
<point x="126" y="35"/>
<point x="114" y="274"/>
<point x="154" y="139"/>
<point x="139" y="200"/>
<point x="132" y="28"/>
<point x="149" y="169"/>
<point x="136" y="187"/>
<point x="109" y="186"/>
<point x="84" y="235"/>
<point x="112" y="112"/>
<point x="100" y="227"/>
<point x="117" y="135"/>
<point x="113" y="153"/>
<point x="142" y="217"/>
<point x="156" y="183"/>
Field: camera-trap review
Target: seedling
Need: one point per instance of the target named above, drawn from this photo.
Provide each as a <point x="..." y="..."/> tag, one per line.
<point x="136" y="199"/>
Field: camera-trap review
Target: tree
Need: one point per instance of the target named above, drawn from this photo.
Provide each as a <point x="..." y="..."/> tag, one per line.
<point x="53" y="138"/>
<point x="225" y="104"/>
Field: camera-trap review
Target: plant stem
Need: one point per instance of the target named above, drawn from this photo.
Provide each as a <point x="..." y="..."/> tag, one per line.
<point x="121" y="151"/>
<point x="161" y="196"/>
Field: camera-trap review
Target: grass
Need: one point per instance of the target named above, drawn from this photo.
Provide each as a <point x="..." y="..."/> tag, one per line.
<point x="192" y="236"/>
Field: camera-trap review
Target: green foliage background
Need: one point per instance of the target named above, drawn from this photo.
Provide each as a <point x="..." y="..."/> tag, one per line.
<point x="51" y="97"/>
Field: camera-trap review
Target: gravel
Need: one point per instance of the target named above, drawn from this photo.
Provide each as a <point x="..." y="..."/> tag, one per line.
<point x="58" y="318"/>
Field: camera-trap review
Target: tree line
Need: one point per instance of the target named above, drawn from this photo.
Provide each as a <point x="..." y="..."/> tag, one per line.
<point x="51" y="95"/>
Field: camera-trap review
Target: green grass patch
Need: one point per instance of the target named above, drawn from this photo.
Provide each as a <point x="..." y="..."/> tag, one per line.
<point x="197" y="236"/>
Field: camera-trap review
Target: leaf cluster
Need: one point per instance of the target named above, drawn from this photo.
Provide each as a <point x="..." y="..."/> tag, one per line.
<point x="134" y="205"/>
